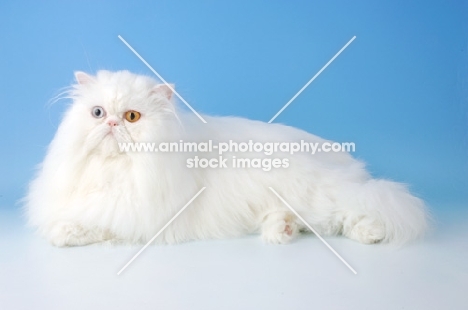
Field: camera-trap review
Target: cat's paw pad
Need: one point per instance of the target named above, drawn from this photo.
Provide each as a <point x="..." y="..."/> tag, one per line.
<point x="279" y="229"/>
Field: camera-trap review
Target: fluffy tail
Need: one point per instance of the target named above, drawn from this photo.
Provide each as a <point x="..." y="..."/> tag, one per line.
<point x="403" y="216"/>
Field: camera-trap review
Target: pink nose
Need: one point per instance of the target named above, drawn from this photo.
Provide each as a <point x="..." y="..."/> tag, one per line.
<point x="112" y="123"/>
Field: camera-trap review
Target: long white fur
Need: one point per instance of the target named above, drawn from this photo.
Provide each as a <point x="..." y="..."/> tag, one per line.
<point x="87" y="191"/>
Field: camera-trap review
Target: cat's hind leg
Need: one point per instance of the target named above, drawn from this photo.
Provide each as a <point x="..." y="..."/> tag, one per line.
<point x="365" y="229"/>
<point x="70" y="234"/>
<point x="279" y="227"/>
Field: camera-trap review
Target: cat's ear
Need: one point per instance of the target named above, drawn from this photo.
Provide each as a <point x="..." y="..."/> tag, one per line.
<point x="83" y="78"/>
<point x="164" y="89"/>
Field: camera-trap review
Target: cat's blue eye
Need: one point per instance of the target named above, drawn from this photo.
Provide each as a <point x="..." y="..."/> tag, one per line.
<point x="98" y="112"/>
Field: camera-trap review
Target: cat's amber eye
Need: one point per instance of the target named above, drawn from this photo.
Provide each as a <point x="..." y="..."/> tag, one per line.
<point x="132" y="116"/>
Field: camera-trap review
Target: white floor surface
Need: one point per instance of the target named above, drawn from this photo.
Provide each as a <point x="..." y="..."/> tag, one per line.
<point x="236" y="274"/>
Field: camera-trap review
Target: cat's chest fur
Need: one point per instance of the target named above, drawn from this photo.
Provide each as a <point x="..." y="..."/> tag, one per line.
<point x="104" y="186"/>
<point x="104" y="174"/>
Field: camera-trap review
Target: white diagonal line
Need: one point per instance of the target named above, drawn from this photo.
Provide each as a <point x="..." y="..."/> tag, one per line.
<point x="312" y="79"/>
<point x="162" y="79"/>
<point x="313" y="230"/>
<point x="161" y="230"/>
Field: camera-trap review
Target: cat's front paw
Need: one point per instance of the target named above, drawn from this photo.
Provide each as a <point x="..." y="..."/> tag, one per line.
<point x="279" y="228"/>
<point x="70" y="234"/>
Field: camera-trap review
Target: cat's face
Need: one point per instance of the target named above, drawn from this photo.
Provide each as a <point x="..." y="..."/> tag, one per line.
<point x="115" y="107"/>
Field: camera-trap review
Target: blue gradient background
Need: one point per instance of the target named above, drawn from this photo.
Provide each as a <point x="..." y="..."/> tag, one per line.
<point x="399" y="91"/>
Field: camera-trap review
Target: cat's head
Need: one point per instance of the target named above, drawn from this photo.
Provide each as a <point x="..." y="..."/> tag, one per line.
<point x="116" y="107"/>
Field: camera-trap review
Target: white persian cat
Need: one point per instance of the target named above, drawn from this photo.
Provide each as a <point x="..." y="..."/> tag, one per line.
<point x="88" y="191"/>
